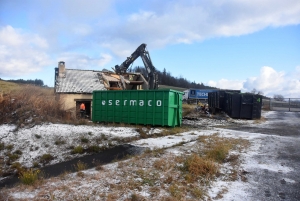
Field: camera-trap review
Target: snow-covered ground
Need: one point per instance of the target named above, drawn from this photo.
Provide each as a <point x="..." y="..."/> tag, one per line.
<point x="41" y="139"/>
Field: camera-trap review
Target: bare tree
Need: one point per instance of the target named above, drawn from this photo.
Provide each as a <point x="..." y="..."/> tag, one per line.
<point x="254" y="91"/>
<point x="278" y="97"/>
<point x="260" y="93"/>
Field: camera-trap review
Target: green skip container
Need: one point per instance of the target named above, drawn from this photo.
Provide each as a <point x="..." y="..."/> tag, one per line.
<point x="147" y="107"/>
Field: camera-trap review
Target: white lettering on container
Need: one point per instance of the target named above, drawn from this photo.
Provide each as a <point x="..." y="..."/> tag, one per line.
<point x="158" y="103"/>
<point x="141" y="103"/>
<point x="132" y="102"/>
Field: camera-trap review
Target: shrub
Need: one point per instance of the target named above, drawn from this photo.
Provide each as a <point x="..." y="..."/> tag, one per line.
<point x="29" y="177"/>
<point x="77" y="150"/>
<point x="46" y="158"/>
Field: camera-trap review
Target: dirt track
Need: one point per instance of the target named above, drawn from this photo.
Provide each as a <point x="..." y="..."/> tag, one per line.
<point x="282" y="145"/>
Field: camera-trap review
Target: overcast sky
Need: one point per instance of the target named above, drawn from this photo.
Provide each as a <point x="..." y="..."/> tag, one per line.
<point x="234" y="44"/>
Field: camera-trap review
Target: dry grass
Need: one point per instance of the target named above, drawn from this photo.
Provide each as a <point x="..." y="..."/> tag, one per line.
<point x="29" y="104"/>
<point x="172" y="131"/>
<point x="261" y="120"/>
<point x="29" y="177"/>
<point x="200" y="167"/>
<point x="80" y="166"/>
<point x="217" y="148"/>
<point x="187" y="109"/>
<point x="8" y="87"/>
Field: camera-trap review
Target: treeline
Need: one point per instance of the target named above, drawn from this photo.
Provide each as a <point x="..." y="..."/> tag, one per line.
<point x="36" y="82"/>
<point x="165" y="78"/>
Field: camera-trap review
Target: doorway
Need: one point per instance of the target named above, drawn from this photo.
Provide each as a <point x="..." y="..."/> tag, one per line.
<point x="88" y="107"/>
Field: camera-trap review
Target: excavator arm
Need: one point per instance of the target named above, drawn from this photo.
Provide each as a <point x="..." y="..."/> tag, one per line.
<point x="144" y="54"/>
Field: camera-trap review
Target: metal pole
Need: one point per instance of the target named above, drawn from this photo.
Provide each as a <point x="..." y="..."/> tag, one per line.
<point x="289" y="104"/>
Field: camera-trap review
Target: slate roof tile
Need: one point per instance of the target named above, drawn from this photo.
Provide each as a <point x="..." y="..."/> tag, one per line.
<point x="79" y="81"/>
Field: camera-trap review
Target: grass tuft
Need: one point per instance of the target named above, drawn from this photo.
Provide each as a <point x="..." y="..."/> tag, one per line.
<point x="46" y="158"/>
<point x="13" y="157"/>
<point x="94" y="149"/>
<point x="59" y="142"/>
<point x="2" y="146"/>
<point x="37" y="136"/>
<point x="77" y="150"/>
<point x="80" y="166"/>
<point x="84" y="140"/>
<point x="29" y="177"/>
<point x="197" y="166"/>
<point x="9" y="147"/>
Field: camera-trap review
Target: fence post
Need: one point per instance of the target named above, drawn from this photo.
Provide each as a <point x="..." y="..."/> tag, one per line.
<point x="289" y="104"/>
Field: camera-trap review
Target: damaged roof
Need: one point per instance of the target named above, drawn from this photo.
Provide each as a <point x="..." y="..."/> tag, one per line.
<point x="78" y="81"/>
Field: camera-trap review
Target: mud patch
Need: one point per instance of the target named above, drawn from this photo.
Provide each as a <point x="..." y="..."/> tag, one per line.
<point x="107" y="156"/>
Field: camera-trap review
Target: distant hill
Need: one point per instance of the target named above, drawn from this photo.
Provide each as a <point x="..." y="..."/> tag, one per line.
<point x="171" y="87"/>
<point x="6" y="87"/>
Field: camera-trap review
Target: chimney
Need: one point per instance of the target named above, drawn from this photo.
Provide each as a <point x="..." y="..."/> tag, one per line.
<point x="61" y="69"/>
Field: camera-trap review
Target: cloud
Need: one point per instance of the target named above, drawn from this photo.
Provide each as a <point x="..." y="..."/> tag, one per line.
<point x="21" y="53"/>
<point x="81" y="61"/>
<point x="269" y="81"/>
<point x="161" y="22"/>
<point x="173" y="22"/>
<point x="105" y="27"/>
<point x="227" y="84"/>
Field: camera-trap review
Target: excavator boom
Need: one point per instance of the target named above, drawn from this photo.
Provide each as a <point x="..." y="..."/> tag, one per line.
<point x="144" y="54"/>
